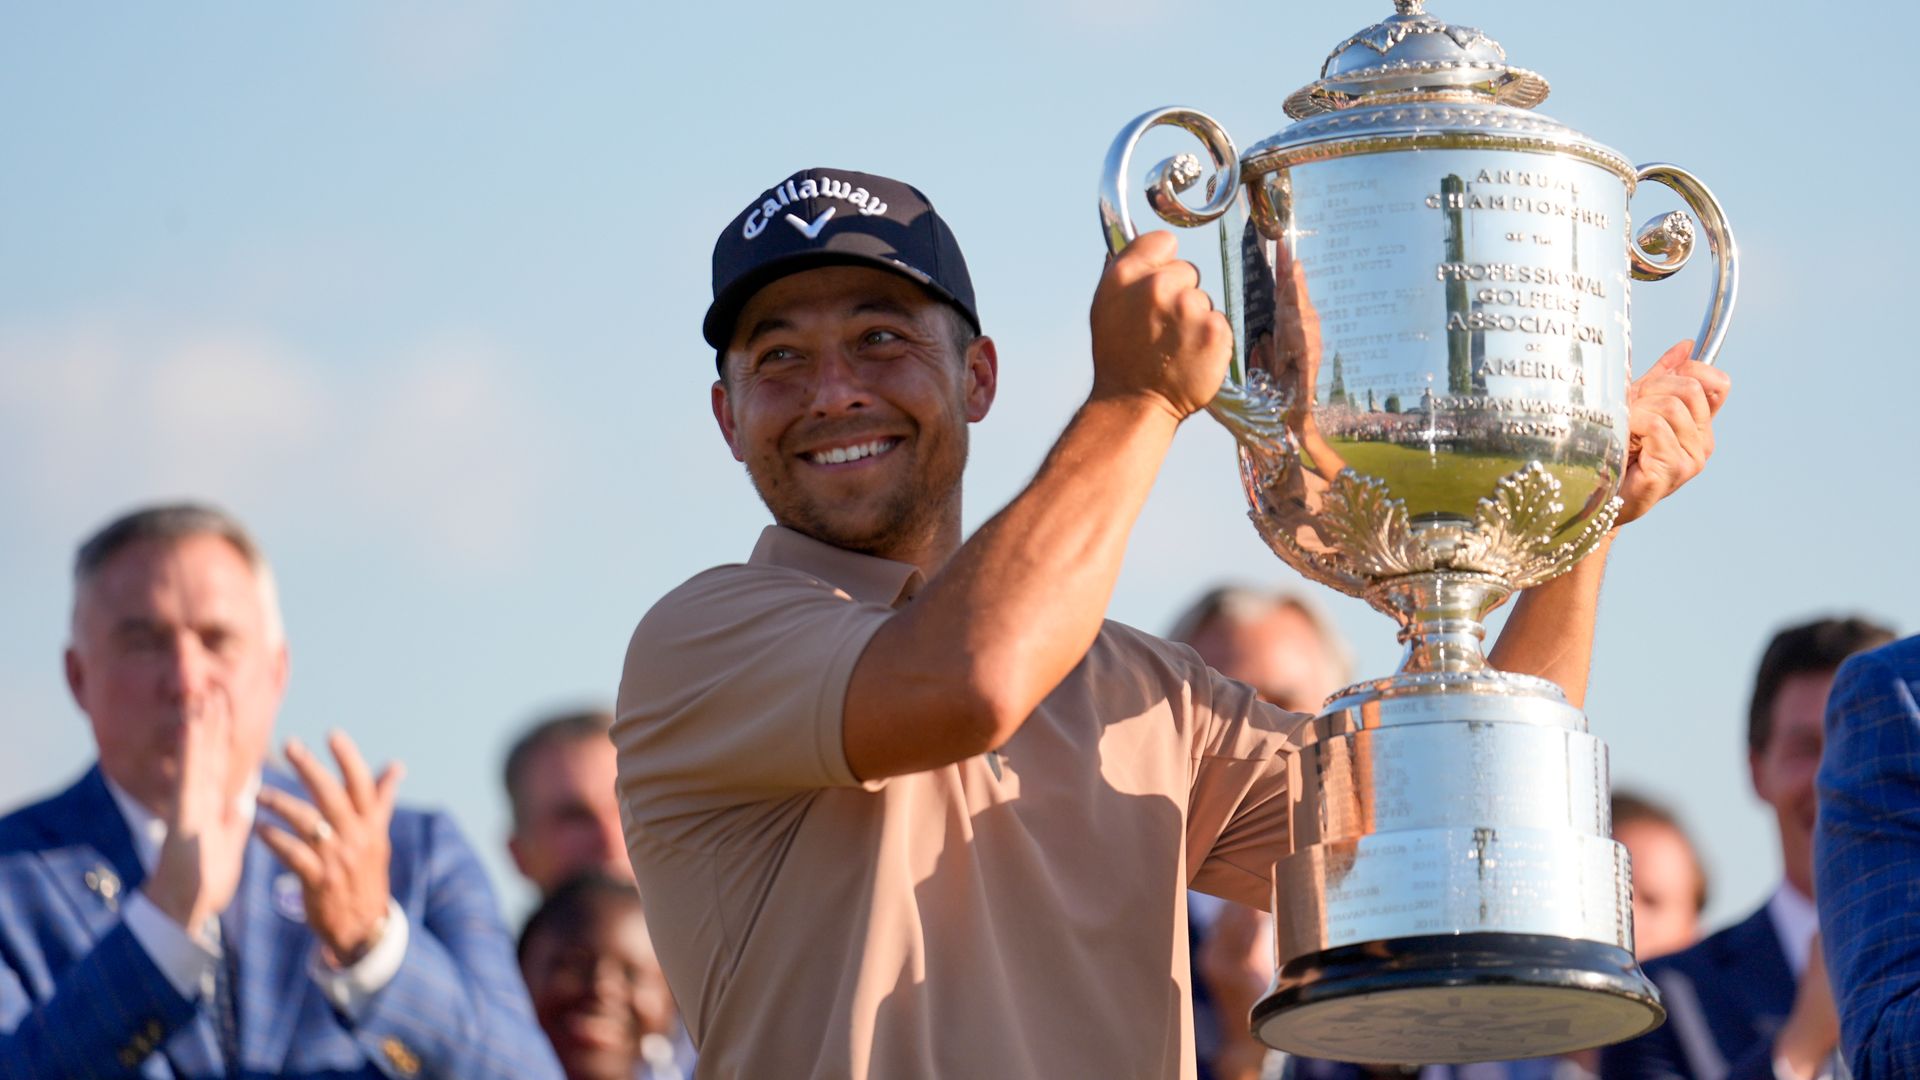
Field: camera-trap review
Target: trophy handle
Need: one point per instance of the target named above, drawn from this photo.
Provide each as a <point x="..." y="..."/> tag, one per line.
<point x="1666" y="243"/>
<point x="1170" y="177"/>
<point x="1253" y="418"/>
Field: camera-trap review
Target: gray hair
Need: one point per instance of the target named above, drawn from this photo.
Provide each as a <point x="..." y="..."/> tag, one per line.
<point x="1239" y="605"/>
<point x="171" y="523"/>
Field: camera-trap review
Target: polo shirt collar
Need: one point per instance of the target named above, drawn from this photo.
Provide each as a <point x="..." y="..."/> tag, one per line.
<point x="864" y="577"/>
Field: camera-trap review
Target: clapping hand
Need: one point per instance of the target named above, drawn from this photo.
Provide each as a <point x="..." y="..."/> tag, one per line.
<point x="198" y="869"/>
<point x="337" y="845"/>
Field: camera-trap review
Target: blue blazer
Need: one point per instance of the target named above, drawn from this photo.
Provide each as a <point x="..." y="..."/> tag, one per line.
<point x="80" y="998"/>
<point x="1867" y="859"/>
<point x="1726" y="998"/>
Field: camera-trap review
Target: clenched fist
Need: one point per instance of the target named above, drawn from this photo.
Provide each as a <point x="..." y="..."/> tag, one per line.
<point x="1670" y="412"/>
<point x="1156" y="335"/>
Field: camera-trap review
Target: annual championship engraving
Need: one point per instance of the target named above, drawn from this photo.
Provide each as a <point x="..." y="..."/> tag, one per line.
<point x="1430" y="288"/>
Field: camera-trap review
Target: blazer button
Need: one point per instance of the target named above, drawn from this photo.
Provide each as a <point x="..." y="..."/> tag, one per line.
<point x="403" y="1060"/>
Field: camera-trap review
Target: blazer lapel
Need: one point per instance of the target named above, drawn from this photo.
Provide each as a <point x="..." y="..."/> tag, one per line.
<point x="1769" y="976"/>
<point x="1755" y="987"/>
<point x="98" y="872"/>
<point x="94" y="883"/>
<point x="274" y="946"/>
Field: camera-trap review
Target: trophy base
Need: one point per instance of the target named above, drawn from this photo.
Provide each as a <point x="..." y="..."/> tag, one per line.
<point x="1457" y="998"/>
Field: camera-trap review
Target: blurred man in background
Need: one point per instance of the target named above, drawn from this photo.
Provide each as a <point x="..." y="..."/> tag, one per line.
<point x="597" y="987"/>
<point x="1669" y="884"/>
<point x="1272" y="640"/>
<point x="151" y="924"/>
<point x="567" y="838"/>
<point x="1867" y="861"/>
<point x="566" y="818"/>
<point x="1752" y="1001"/>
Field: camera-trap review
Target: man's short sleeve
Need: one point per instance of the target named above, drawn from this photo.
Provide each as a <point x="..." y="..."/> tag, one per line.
<point x="733" y="691"/>
<point x="1245" y="779"/>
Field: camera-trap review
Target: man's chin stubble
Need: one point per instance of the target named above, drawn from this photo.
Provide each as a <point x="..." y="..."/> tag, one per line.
<point x="897" y="526"/>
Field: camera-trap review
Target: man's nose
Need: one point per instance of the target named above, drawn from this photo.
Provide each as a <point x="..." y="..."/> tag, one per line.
<point x="837" y="385"/>
<point x="611" y="981"/>
<point x="188" y="669"/>
<point x="613" y="847"/>
<point x="613" y="838"/>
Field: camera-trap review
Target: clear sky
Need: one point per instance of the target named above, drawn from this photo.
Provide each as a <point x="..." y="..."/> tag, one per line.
<point x="415" y="288"/>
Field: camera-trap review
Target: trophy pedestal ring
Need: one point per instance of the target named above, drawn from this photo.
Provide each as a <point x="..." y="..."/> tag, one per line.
<point x="1453" y="893"/>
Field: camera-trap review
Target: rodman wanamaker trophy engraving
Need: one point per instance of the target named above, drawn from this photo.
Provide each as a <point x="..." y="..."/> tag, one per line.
<point x="1428" y="285"/>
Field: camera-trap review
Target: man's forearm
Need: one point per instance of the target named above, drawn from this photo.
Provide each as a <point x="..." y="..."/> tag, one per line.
<point x="1016" y="607"/>
<point x="1550" y="633"/>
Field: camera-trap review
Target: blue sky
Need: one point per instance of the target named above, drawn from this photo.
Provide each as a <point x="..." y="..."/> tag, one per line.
<point x="415" y="289"/>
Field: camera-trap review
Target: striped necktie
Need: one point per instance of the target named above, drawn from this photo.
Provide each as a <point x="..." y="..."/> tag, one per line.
<point x="226" y="1005"/>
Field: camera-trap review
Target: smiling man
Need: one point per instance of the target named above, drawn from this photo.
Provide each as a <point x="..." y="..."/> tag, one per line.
<point x="1752" y="1002"/>
<point x="906" y="806"/>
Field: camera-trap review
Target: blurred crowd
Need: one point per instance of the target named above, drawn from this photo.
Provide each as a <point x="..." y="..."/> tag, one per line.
<point x="191" y="901"/>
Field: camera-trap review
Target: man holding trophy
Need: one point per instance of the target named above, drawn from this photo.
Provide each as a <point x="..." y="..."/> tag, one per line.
<point x="907" y="806"/>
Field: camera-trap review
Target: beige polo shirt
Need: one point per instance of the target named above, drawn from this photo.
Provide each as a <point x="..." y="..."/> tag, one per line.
<point x="949" y="923"/>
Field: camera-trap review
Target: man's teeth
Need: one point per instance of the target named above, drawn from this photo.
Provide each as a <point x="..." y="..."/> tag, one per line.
<point x="840" y="454"/>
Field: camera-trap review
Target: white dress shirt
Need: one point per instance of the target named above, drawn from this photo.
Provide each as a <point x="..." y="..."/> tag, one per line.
<point x="1796" y="921"/>
<point x="190" y="961"/>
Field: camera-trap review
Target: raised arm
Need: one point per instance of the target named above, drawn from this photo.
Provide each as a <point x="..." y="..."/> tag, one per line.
<point x="959" y="669"/>
<point x="105" y="1014"/>
<point x="1670" y="417"/>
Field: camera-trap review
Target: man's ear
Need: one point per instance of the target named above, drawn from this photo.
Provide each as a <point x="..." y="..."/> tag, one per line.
<point x="1753" y="773"/>
<point x="983" y="377"/>
<point x="723" y="415"/>
<point x="282" y="667"/>
<point x="76" y="678"/>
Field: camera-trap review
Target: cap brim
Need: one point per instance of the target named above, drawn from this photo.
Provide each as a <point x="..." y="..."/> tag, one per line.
<point x="725" y="310"/>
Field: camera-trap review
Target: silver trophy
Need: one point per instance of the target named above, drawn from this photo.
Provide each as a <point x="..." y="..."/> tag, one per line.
<point x="1429" y="290"/>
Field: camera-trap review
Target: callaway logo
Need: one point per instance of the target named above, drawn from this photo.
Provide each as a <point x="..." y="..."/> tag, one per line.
<point x="812" y="228"/>
<point x="789" y="193"/>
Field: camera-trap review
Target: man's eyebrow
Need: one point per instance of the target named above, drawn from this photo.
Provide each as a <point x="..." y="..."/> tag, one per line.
<point x="879" y="305"/>
<point x="767" y="326"/>
<point x="882" y="306"/>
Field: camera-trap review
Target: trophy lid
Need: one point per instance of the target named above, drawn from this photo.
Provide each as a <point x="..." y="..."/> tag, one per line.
<point x="1412" y="54"/>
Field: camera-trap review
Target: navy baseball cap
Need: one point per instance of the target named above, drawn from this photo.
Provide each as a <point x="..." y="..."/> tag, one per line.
<point x="834" y="217"/>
